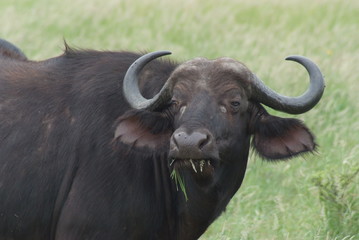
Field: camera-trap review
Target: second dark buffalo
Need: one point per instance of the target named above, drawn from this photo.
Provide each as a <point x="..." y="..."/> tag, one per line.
<point x="116" y="145"/>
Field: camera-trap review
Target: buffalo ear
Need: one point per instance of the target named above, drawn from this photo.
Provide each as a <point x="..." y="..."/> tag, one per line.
<point x="280" y="138"/>
<point x="143" y="130"/>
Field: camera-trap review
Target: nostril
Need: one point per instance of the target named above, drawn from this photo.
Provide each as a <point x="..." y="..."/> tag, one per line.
<point x="203" y="141"/>
<point x="200" y="139"/>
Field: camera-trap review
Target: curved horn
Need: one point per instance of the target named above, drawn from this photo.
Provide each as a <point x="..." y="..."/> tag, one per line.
<point x="10" y="50"/>
<point x="293" y="105"/>
<point x="131" y="90"/>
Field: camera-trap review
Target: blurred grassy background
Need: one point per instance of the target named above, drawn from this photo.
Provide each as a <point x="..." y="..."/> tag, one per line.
<point x="313" y="197"/>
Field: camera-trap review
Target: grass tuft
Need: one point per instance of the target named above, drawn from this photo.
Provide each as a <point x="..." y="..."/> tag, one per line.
<point x="340" y="200"/>
<point x="179" y="182"/>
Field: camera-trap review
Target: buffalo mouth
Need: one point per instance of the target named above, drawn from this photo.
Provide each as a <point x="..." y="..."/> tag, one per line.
<point x="199" y="167"/>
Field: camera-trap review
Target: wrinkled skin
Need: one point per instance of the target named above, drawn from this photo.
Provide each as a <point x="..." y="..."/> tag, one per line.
<point x="76" y="162"/>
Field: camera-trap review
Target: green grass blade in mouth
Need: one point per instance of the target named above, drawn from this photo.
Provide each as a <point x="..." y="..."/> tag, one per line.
<point x="179" y="181"/>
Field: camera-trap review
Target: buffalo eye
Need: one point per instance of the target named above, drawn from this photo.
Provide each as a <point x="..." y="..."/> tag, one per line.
<point x="235" y="105"/>
<point x="174" y="105"/>
<point x="174" y="102"/>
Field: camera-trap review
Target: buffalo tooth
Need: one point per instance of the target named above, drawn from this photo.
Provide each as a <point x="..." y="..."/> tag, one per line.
<point x="193" y="166"/>
<point x="173" y="160"/>
<point x="201" y="164"/>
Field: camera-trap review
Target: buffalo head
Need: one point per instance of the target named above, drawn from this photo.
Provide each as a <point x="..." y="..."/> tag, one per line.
<point x="213" y="108"/>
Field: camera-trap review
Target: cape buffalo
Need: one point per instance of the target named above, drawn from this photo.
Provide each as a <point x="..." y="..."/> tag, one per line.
<point x="115" y="145"/>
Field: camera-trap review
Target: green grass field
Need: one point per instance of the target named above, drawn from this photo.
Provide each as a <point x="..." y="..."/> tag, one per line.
<point x="311" y="197"/>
